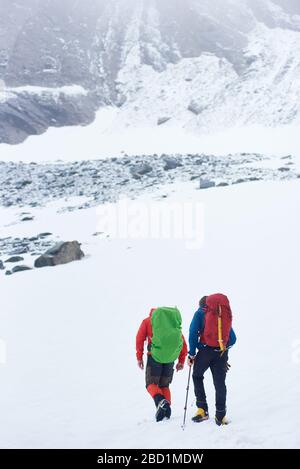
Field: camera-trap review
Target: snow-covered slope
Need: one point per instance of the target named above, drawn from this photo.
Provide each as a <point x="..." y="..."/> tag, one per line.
<point x="106" y="137"/>
<point x="207" y="94"/>
<point x="71" y="379"/>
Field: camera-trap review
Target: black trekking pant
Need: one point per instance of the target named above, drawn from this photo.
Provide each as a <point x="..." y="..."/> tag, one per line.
<point x="206" y="358"/>
<point x="160" y="374"/>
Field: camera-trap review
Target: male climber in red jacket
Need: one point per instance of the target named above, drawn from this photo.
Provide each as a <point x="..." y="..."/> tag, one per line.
<point x="158" y="375"/>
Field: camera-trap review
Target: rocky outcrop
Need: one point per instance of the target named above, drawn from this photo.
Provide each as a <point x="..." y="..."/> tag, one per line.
<point x="61" y="253"/>
<point x="27" y="113"/>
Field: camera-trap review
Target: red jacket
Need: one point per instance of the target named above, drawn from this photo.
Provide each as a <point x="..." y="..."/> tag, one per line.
<point x="145" y="332"/>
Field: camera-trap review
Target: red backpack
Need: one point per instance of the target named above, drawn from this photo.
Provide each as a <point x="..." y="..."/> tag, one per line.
<point x="218" y="321"/>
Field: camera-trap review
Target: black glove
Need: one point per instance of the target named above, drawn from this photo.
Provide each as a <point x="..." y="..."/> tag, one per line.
<point x="190" y="360"/>
<point x="227" y="367"/>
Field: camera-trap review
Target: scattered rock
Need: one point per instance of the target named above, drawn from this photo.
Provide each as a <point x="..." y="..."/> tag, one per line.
<point x="105" y="180"/>
<point x="61" y="253"/>
<point x="124" y="182"/>
<point x="163" y="120"/>
<point x="206" y="184"/>
<point x="15" y="259"/>
<point x="1" y="265"/>
<point x="44" y="235"/>
<point x="196" y="108"/>
<point x="140" y="169"/>
<point x="222" y="184"/>
<point x="18" y="251"/>
<point x="8" y="272"/>
<point x="284" y="168"/>
<point x="171" y="163"/>
<point x="21" y="184"/>
<point x="239" y="181"/>
<point x="27" y="218"/>
<point x="253" y="178"/>
<point x="20" y="268"/>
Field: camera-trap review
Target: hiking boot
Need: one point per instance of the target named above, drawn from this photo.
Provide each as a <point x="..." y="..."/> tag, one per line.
<point x="201" y="415"/>
<point x="168" y="409"/>
<point x="221" y="419"/>
<point x="224" y="421"/>
<point x="163" y="410"/>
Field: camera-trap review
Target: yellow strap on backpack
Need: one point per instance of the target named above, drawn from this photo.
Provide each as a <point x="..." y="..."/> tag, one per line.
<point x="220" y="340"/>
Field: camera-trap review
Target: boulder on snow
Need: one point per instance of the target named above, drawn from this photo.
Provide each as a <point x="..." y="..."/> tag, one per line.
<point x="15" y="259"/>
<point x="171" y="163"/>
<point x="206" y="184"/>
<point x="61" y="253"/>
<point x="20" y="268"/>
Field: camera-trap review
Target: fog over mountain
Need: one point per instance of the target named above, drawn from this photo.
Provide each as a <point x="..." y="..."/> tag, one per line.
<point x="60" y="60"/>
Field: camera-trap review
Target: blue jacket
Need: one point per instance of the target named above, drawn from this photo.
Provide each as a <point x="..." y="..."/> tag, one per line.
<point x="196" y="329"/>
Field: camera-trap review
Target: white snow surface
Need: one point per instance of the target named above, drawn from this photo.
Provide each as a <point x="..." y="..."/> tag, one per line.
<point x="71" y="380"/>
<point x="99" y="140"/>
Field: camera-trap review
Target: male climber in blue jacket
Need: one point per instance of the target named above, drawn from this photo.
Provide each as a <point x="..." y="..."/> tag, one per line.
<point x="213" y="357"/>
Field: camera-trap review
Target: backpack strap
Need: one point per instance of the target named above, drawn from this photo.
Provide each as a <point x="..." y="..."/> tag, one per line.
<point x="220" y="340"/>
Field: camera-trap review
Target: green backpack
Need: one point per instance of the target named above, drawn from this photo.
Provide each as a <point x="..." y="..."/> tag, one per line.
<point x="166" y="335"/>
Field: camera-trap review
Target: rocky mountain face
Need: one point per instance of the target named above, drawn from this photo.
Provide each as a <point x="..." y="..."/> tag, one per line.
<point x="108" y="49"/>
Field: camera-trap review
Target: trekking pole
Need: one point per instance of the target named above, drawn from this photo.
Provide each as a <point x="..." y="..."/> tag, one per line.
<point x="186" y="399"/>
